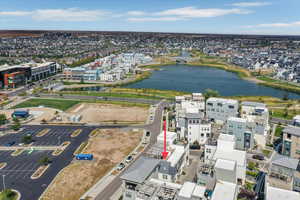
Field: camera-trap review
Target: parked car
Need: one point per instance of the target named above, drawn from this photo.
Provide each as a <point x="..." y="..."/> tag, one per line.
<point x="258" y="157"/>
<point x="120" y="166"/>
<point x="148" y="133"/>
<point x="9" y="144"/>
<point x="129" y="159"/>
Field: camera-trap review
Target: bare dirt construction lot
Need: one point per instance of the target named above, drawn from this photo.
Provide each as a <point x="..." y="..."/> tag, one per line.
<point x="95" y="113"/>
<point x="109" y="148"/>
<point x="38" y="114"/>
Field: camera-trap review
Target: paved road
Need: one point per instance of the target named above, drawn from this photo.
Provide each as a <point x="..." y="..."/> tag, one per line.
<point x="155" y="129"/>
<point x="134" y="100"/>
<point x="281" y="121"/>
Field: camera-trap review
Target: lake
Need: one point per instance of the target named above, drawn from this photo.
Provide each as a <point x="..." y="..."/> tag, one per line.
<point x="197" y="79"/>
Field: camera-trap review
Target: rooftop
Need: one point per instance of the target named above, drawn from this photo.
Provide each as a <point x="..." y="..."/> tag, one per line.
<point x="140" y="170"/>
<point x="285" y="161"/>
<point x="293" y="130"/>
<point x="225" y="164"/>
<point x="224" y="190"/>
<point x="280" y="194"/>
<point x="228" y="101"/>
<point x="253" y="104"/>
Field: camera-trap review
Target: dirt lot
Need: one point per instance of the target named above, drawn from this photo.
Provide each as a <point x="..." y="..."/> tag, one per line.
<point x="108" y="149"/>
<point x="38" y="113"/>
<point x="95" y="113"/>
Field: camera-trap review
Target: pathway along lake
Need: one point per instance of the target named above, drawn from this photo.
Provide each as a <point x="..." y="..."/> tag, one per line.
<point x="197" y="79"/>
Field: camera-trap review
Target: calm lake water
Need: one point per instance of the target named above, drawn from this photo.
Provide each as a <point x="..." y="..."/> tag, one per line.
<point x="197" y="79"/>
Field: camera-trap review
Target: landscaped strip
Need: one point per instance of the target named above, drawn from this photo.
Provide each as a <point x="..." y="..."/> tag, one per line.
<point x="76" y="132"/>
<point x="60" y="150"/>
<point x="43" y="132"/>
<point x="17" y="152"/>
<point x="81" y="148"/>
<point x="40" y="171"/>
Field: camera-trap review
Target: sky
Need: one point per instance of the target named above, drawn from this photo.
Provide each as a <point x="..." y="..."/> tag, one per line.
<point x="276" y="17"/>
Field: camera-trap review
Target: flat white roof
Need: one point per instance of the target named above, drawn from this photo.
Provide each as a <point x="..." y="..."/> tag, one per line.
<point x="235" y="155"/>
<point x="171" y="136"/>
<point x="224" y="191"/>
<point x="199" y="191"/>
<point x="225" y="164"/>
<point x="280" y="194"/>
<point x="221" y="100"/>
<point x="176" y="155"/>
<point x="187" y="190"/>
<point x="237" y="119"/>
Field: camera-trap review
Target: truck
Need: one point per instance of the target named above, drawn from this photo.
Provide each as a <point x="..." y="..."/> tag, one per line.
<point x="84" y="156"/>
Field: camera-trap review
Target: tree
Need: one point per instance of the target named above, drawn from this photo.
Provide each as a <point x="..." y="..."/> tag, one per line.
<point x="16" y="126"/>
<point x="8" y="194"/>
<point x="44" y="160"/>
<point x="195" y="145"/>
<point x="2" y="119"/>
<point x="211" y="93"/>
<point x="27" y="139"/>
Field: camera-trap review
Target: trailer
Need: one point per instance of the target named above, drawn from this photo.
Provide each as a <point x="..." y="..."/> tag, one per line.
<point x="84" y="156"/>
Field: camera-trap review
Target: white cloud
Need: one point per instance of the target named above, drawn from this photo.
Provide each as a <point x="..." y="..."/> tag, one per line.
<point x="14" y="13"/>
<point x="136" y="13"/>
<point x="153" y="19"/>
<point x="71" y="14"/>
<point x="251" y="4"/>
<point x="184" y="14"/>
<point x="192" y="12"/>
<point x="275" y="25"/>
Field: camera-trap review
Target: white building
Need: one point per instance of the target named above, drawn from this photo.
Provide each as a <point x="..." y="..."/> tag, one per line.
<point x="257" y="114"/>
<point x="225" y="150"/>
<point x="273" y="193"/>
<point x="219" y="110"/>
<point x="242" y="131"/>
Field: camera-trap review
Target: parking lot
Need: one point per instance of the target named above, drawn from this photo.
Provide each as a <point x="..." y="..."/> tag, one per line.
<point x="17" y="172"/>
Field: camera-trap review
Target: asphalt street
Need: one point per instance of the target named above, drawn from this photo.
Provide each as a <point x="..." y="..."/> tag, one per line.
<point x="18" y="170"/>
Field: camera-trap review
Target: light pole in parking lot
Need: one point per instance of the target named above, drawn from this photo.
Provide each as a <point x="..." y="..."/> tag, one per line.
<point x="3" y="179"/>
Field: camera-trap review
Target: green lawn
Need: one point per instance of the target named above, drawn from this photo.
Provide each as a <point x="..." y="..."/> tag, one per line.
<point x="284" y="114"/>
<point x="278" y="131"/>
<point x="64" y="104"/>
<point x="60" y="104"/>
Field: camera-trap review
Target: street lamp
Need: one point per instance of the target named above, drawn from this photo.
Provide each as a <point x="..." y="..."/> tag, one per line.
<point x="3" y="179"/>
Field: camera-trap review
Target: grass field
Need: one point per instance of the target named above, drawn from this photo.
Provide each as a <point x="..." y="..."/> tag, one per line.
<point x="278" y="131"/>
<point x="60" y="104"/>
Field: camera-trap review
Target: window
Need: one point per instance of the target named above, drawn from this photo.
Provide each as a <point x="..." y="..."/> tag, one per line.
<point x="165" y="177"/>
<point x="220" y="104"/>
<point x="209" y="104"/>
<point x="288" y="136"/>
<point x="231" y="107"/>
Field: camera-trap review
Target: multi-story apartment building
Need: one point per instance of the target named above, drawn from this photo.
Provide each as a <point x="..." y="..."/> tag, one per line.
<point x="291" y="142"/>
<point x="219" y="110"/>
<point x="240" y="128"/>
<point x="258" y="113"/>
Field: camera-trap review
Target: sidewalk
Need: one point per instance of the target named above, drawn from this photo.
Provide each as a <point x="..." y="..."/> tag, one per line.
<point x="99" y="186"/>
